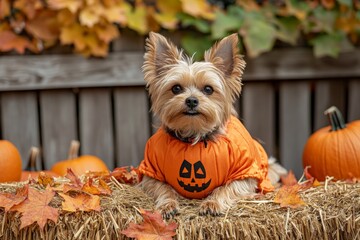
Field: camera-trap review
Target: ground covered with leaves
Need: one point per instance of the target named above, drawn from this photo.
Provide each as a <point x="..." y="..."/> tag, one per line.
<point x="111" y="207"/>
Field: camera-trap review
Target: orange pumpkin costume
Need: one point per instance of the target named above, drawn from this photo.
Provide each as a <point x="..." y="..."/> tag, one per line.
<point x="194" y="171"/>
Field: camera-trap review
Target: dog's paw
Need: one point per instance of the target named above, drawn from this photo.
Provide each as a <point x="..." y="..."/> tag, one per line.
<point x="169" y="209"/>
<point x="210" y="207"/>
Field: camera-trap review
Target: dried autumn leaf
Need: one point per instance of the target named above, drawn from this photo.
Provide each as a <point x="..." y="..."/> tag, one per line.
<point x="106" y="32"/>
<point x="289" y="179"/>
<point x="288" y="196"/>
<point x="8" y="200"/>
<point x="168" y="9"/>
<point x="128" y="175"/>
<point x="72" y="5"/>
<point x="117" y="13"/>
<point x="36" y="208"/>
<point x="314" y="182"/>
<point x="90" y="15"/>
<point x="44" y="25"/>
<point x="29" y="7"/>
<point x="198" y="8"/>
<point x="80" y="202"/>
<point x="73" y="34"/>
<point x="10" y="41"/>
<point x="4" y="8"/>
<point x="153" y="227"/>
<point x="45" y="179"/>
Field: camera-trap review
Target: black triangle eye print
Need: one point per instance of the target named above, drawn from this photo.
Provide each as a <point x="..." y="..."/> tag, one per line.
<point x="193" y="182"/>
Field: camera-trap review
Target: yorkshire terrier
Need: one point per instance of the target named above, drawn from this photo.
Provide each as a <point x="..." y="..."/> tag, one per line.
<point x="201" y="150"/>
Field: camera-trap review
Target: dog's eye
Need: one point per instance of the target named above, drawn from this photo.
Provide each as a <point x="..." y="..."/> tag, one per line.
<point x="176" y="89"/>
<point x="208" y="90"/>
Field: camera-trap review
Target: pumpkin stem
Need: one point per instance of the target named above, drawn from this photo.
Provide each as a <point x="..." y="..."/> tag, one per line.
<point x="74" y="149"/>
<point x="336" y="119"/>
<point x="31" y="166"/>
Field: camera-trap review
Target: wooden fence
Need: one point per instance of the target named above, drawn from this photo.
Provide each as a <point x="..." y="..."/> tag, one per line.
<point x="49" y="100"/>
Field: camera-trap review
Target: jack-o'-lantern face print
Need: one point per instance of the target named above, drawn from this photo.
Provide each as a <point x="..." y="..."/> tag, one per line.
<point x="192" y="177"/>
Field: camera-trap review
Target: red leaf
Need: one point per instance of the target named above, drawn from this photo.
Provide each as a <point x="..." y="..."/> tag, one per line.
<point x="153" y="227"/>
<point x="36" y="208"/>
<point x="128" y="175"/>
<point x="289" y="179"/>
<point x="10" y="41"/>
<point x="8" y="200"/>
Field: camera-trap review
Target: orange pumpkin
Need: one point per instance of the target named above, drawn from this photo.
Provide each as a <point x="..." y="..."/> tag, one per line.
<point x="31" y="170"/>
<point x="334" y="150"/>
<point x="10" y="162"/>
<point x="79" y="165"/>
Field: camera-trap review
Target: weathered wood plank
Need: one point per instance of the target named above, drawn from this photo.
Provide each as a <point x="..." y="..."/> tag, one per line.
<point x="129" y="41"/>
<point x="299" y="63"/>
<point x="294" y="124"/>
<point x="20" y="121"/>
<point x="132" y="125"/>
<point x="354" y="100"/>
<point x="124" y="69"/>
<point x="96" y="124"/>
<point x="58" y="124"/>
<point x="327" y="94"/>
<point x="259" y="113"/>
<point x="68" y="71"/>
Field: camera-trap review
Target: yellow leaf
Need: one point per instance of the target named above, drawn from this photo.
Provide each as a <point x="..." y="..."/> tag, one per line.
<point x="106" y="32"/>
<point x="198" y="8"/>
<point x="117" y="13"/>
<point x="167" y="15"/>
<point x="65" y="17"/>
<point x="168" y="21"/>
<point x="97" y="48"/>
<point x="138" y="19"/>
<point x="72" y="5"/>
<point x="169" y="6"/>
<point x="73" y="34"/>
<point x="90" y="15"/>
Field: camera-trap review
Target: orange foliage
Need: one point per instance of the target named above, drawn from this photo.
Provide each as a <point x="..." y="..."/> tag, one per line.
<point x="153" y="227"/>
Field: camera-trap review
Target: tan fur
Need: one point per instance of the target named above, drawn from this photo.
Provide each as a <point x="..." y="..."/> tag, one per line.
<point x="166" y="66"/>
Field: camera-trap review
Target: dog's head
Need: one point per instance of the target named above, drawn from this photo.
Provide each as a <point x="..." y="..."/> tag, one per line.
<point x="193" y="99"/>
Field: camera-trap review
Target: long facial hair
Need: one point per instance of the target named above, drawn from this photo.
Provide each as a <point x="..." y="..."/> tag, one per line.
<point x="166" y="66"/>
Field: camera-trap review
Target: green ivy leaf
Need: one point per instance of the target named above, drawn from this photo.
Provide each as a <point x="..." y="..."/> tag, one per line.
<point x="288" y="29"/>
<point x="200" y="24"/>
<point x="327" y="44"/>
<point x="195" y="45"/>
<point x="226" y="23"/>
<point x="324" y="20"/>
<point x="259" y="35"/>
<point x="297" y="8"/>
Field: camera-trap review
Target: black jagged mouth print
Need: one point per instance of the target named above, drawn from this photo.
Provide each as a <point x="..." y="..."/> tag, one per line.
<point x="195" y="187"/>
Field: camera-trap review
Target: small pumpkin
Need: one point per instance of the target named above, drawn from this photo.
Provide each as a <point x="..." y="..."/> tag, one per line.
<point x="79" y="165"/>
<point x="10" y="162"/>
<point x="334" y="150"/>
<point x="31" y="170"/>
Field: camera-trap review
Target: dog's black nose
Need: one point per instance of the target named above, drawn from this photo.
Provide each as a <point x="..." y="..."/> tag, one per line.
<point x="192" y="102"/>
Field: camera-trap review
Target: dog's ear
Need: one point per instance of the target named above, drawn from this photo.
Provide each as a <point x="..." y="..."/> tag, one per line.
<point x="225" y="56"/>
<point x="159" y="56"/>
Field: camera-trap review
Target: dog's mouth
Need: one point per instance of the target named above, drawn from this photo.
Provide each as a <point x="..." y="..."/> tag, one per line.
<point x="191" y="113"/>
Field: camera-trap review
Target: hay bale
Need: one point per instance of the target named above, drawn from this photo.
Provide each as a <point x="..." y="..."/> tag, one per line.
<point x="332" y="212"/>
